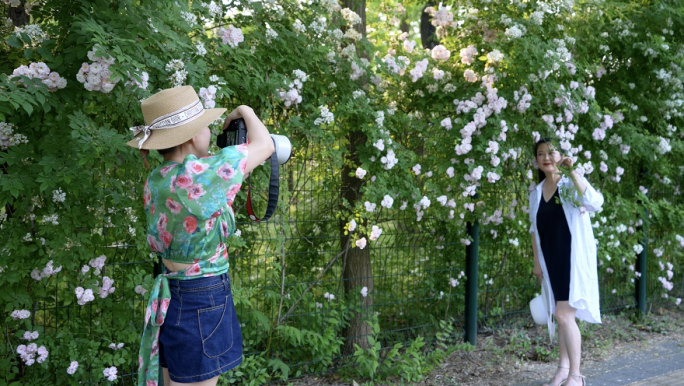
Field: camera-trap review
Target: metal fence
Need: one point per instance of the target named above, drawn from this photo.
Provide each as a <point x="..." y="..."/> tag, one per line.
<point x="411" y="263"/>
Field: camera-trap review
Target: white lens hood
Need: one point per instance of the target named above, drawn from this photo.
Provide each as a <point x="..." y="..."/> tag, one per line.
<point x="283" y="148"/>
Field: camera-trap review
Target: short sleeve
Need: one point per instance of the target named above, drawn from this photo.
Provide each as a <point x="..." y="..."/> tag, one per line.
<point x="209" y="183"/>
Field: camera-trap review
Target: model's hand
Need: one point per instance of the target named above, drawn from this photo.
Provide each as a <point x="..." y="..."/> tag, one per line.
<point x="537" y="271"/>
<point x="566" y="161"/>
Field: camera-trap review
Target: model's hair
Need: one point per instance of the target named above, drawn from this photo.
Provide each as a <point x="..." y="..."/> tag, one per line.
<point x="540" y="173"/>
<point x="164" y="152"/>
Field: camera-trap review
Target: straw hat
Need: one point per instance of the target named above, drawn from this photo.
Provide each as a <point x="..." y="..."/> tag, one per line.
<point x="172" y="117"/>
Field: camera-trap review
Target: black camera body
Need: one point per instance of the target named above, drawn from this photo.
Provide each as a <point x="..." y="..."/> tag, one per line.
<point x="234" y="134"/>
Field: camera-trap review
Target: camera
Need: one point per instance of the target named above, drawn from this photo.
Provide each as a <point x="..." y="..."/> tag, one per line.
<point x="236" y="134"/>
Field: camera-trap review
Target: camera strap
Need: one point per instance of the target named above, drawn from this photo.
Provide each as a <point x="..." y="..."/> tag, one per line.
<point x="273" y="191"/>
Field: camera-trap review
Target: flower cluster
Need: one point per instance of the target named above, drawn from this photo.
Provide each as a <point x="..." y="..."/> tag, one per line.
<point x="144" y="80"/>
<point x="28" y="353"/>
<point x="33" y="31"/>
<point x="84" y="296"/>
<point x="208" y="95"/>
<point x="58" y="195"/>
<point x="417" y="72"/>
<point x="329" y="296"/>
<point x="292" y="96"/>
<point x="20" y="314"/>
<point x="98" y="263"/>
<point x="96" y="75"/>
<point x="39" y="275"/>
<point x="231" y="36"/>
<point x="360" y="173"/>
<point x="140" y="289"/>
<point x="326" y="117"/>
<point x="110" y="372"/>
<point x="115" y="346"/>
<point x="72" y="368"/>
<point x="8" y="137"/>
<point x="40" y="71"/>
<point x="375" y="233"/>
<point x="28" y="335"/>
<point x="106" y="288"/>
<point x="179" y="75"/>
<point x="361" y="243"/>
<point x="440" y="53"/>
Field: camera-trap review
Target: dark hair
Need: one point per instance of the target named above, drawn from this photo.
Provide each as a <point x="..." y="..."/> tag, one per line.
<point x="540" y="173"/>
<point x="163" y="152"/>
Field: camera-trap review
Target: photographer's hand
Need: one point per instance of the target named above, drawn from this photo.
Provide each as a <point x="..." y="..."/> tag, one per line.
<point x="260" y="145"/>
<point x="235" y="114"/>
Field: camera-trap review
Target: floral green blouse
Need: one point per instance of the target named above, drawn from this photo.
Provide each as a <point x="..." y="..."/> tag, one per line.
<point x="189" y="218"/>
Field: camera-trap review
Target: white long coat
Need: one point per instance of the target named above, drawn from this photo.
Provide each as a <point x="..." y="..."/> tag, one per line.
<point x="584" y="291"/>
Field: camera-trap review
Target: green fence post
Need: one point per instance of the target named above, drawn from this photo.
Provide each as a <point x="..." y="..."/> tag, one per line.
<point x="640" y="286"/>
<point x="471" y="279"/>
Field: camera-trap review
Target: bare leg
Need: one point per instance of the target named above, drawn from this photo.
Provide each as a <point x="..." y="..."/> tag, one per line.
<point x="169" y="382"/>
<point x="569" y="332"/>
<point x="208" y="382"/>
<point x="563" y="367"/>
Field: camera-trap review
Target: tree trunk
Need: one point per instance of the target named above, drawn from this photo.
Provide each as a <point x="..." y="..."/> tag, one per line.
<point x="18" y="14"/>
<point x="428" y="31"/>
<point x="357" y="271"/>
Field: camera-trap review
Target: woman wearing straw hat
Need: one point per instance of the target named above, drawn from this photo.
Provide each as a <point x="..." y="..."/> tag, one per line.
<point x="191" y="328"/>
<point x="565" y="254"/>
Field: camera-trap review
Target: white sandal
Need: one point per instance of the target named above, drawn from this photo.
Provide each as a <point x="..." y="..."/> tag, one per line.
<point x="584" y="379"/>
<point x="562" y="382"/>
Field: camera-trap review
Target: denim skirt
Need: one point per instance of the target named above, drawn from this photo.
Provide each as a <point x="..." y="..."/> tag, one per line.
<point x="200" y="337"/>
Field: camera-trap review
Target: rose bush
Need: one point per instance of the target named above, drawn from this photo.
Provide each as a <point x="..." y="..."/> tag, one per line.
<point x="439" y="138"/>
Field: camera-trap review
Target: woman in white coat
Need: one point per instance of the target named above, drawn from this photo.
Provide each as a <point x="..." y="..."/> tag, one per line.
<point x="565" y="255"/>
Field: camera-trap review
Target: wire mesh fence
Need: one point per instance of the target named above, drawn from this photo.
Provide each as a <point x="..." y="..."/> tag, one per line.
<point x="416" y="271"/>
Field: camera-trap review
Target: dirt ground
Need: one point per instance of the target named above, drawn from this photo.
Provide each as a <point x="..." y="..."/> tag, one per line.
<point x="511" y="356"/>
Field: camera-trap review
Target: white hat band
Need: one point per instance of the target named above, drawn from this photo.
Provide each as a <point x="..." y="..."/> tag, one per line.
<point x="176" y="118"/>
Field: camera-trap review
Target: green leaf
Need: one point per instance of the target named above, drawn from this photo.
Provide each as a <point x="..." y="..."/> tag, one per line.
<point x="13" y="41"/>
<point x="28" y="53"/>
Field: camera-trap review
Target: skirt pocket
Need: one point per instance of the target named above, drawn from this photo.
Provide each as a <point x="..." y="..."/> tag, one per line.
<point x="215" y="329"/>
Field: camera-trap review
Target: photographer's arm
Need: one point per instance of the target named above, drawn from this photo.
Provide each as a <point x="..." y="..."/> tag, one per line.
<point x="260" y="145"/>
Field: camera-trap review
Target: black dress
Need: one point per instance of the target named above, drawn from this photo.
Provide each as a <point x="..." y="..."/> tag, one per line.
<point x="556" y="241"/>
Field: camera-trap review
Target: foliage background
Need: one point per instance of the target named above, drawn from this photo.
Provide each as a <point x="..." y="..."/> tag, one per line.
<point x="76" y="143"/>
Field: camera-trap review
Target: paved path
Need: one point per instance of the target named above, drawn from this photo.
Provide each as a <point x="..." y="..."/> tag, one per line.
<point x="661" y="366"/>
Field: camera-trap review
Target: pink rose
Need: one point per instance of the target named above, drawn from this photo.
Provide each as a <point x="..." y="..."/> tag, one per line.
<point x="165" y="170"/>
<point x="242" y="149"/>
<point x="243" y="165"/>
<point x="173" y="206"/>
<point x="226" y="172"/>
<point x="190" y="224"/>
<point x="154" y="244"/>
<point x="151" y="382"/>
<point x="152" y="209"/>
<point x="161" y="223"/>
<point x="195" y="191"/>
<point x="166" y="238"/>
<point x="196" y="167"/>
<point x="224" y="229"/>
<point x="183" y="181"/>
<point x="231" y="193"/>
<point x="193" y="270"/>
<point x="173" y="184"/>
<point x="147" y="196"/>
<point x="154" y="306"/>
<point x="209" y="225"/>
<point x="165" y="304"/>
